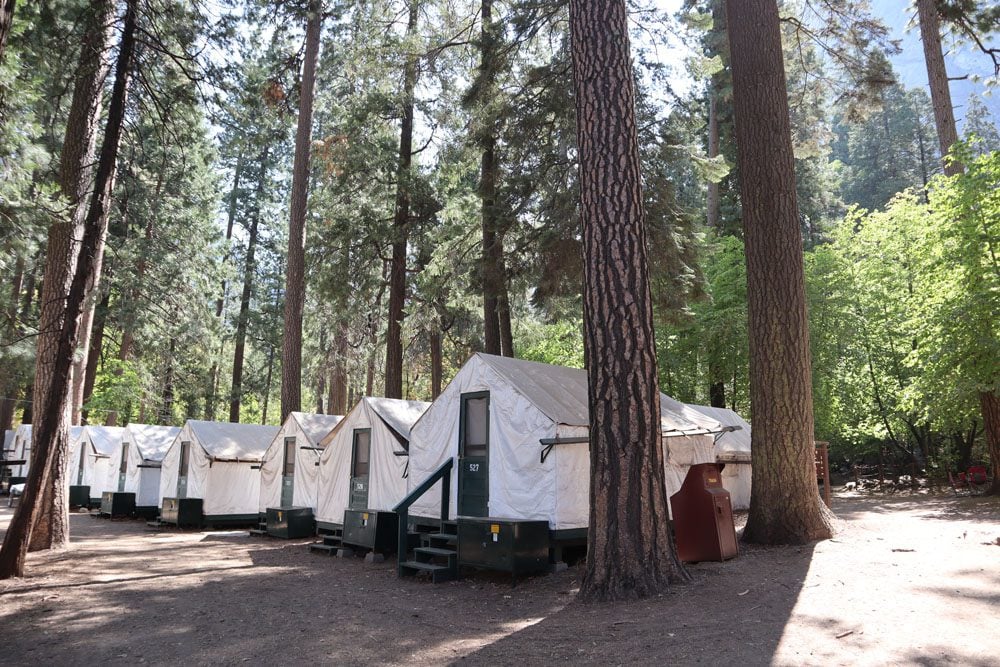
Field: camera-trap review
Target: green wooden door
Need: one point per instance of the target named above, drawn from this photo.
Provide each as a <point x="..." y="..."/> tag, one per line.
<point x="360" y="457"/>
<point x="182" y="470"/>
<point x="123" y="468"/>
<point x="474" y="455"/>
<point x="288" y="473"/>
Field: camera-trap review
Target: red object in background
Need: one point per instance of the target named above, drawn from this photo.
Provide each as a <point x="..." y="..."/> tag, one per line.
<point x="703" y="516"/>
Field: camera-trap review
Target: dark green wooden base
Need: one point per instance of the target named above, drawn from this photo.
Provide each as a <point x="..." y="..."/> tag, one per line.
<point x="116" y="504"/>
<point x="182" y="512"/>
<point x="506" y="545"/>
<point x="290" y="522"/>
<point x="79" y="496"/>
<point x="371" y="529"/>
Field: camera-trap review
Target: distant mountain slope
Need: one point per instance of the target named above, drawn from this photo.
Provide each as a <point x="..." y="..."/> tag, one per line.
<point x="961" y="59"/>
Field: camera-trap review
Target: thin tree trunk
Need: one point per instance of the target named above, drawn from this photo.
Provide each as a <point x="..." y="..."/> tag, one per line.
<point x="937" y="77"/>
<point x="400" y="225"/>
<point x="8" y="406"/>
<point x="295" y="276"/>
<point x="6" y="20"/>
<point x="989" y="403"/>
<point x="94" y="355"/>
<point x="630" y="550"/>
<point x="337" y="399"/>
<point x="167" y="402"/>
<point x="15" y="293"/>
<point x="267" y="384"/>
<point x="506" y="330"/>
<point x="436" y="363"/>
<point x="785" y="505"/>
<point x="46" y="483"/>
<point x="249" y="272"/>
<point x="712" y="199"/>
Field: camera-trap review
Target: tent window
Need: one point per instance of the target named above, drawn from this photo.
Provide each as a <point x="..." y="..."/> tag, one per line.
<point x="362" y="449"/>
<point x="123" y="466"/>
<point x="289" y="468"/>
<point x="476" y="424"/>
<point x="185" y="447"/>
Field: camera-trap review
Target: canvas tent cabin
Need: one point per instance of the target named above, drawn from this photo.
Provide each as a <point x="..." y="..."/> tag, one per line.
<point x="79" y="496"/>
<point x="97" y="444"/>
<point x="135" y="464"/>
<point x="517" y="432"/>
<point x="733" y="449"/>
<point x="211" y="473"/>
<point x="362" y="471"/>
<point x="7" y="455"/>
<point x="22" y="452"/>
<point x="290" y="472"/>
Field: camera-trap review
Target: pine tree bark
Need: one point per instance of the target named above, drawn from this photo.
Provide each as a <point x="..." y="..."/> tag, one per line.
<point x="249" y="272"/>
<point x="785" y="505"/>
<point x="401" y="224"/>
<point x="337" y="397"/>
<point x="295" y="276"/>
<point x="630" y="550"/>
<point x="46" y="511"/>
<point x="937" y="77"/>
<point x="46" y="487"/>
<point x="95" y="353"/>
<point x="436" y="363"/>
<point x="6" y="21"/>
<point x="989" y="404"/>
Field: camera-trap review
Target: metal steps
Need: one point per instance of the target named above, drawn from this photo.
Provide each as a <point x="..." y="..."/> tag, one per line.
<point x="331" y="544"/>
<point x="260" y="530"/>
<point x="438" y="557"/>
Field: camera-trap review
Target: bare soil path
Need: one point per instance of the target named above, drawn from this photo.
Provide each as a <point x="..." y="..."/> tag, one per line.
<point x="908" y="580"/>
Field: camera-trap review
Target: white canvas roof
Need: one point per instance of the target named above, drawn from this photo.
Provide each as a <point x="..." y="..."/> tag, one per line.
<point x="316" y="427"/>
<point x="104" y="439"/>
<point x="388" y="421"/>
<point x="531" y="402"/>
<point x="151" y="441"/>
<point x="228" y="441"/>
<point x="733" y="445"/>
<point x="560" y="393"/>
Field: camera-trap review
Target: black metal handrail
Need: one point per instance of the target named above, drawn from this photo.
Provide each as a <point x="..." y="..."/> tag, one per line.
<point x="402" y="510"/>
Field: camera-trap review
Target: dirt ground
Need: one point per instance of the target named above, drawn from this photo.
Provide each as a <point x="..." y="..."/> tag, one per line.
<point x="907" y="580"/>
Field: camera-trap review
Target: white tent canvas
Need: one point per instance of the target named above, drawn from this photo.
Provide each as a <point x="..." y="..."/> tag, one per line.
<point x="22" y="450"/>
<point x="143" y="447"/>
<point x="75" y="464"/>
<point x="733" y="449"/>
<point x="383" y="424"/>
<point x="223" y="466"/>
<point x="299" y="439"/>
<point x="528" y="402"/>
<point x="98" y="444"/>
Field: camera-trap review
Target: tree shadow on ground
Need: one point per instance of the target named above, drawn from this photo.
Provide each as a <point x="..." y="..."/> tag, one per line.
<point x="977" y="509"/>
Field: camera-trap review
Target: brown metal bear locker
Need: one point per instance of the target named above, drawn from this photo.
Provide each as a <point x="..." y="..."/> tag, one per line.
<point x="703" y="516"/>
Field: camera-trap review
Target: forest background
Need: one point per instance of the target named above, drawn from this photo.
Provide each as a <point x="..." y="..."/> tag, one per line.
<point x="481" y="205"/>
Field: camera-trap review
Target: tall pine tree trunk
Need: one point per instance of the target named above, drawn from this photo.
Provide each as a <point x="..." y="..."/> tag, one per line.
<point x="95" y="353"/>
<point x="249" y="272"/>
<point x="630" y="550"/>
<point x="295" y="277"/>
<point x="400" y="224"/>
<point x="46" y="487"/>
<point x="937" y="77"/>
<point x="48" y="507"/>
<point x="785" y="505"/>
<point x="436" y="363"/>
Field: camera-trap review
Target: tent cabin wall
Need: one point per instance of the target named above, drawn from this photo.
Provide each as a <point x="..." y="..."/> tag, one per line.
<point x="302" y="435"/>
<point x="223" y="468"/>
<point x="99" y="444"/>
<point x="733" y="449"/>
<point x="368" y="426"/>
<point x="529" y="402"/>
<point x="22" y="451"/>
<point x="144" y="447"/>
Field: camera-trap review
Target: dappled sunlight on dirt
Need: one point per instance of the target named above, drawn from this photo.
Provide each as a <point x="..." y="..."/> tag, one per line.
<point x="905" y="581"/>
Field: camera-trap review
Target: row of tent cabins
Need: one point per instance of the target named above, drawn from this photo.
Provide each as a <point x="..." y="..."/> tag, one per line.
<point x="509" y="436"/>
